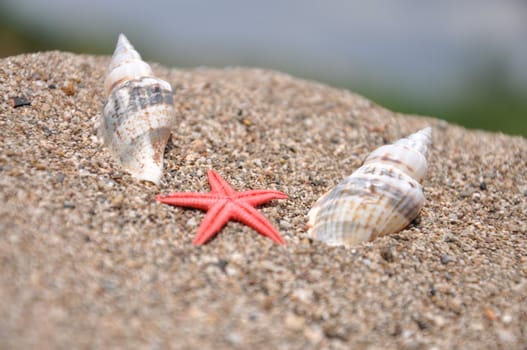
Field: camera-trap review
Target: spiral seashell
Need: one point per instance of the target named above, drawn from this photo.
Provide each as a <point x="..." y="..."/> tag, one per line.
<point x="383" y="196"/>
<point x="138" y="114"/>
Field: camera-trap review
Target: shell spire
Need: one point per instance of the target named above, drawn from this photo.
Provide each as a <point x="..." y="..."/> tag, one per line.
<point x="419" y="141"/>
<point x="381" y="197"/>
<point x="126" y="64"/>
<point x="138" y="114"/>
<point x="407" y="154"/>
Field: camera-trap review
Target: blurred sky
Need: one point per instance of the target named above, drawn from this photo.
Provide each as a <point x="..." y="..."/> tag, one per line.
<point x="430" y="52"/>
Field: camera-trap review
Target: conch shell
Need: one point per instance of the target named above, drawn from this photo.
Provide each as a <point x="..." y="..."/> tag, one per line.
<point x="137" y="115"/>
<point x="383" y="196"/>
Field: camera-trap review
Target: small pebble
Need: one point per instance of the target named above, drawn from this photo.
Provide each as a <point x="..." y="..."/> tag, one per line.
<point x="59" y="178"/>
<point x="506" y="335"/>
<point x="490" y="314"/>
<point x="303" y="295"/>
<point x="387" y="253"/>
<point x="192" y="222"/>
<point x="222" y="265"/>
<point x="284" y="224"/>
<point x="294" y="322"/>
<point x="313" y="334"/>
<point x="506" y="319"/>
<point x="233" y="338"/>
<point x="456" y="305"/>
<point x="47" y="130"/>
<point x="445" y="259"/>
<point x="19" y="101"/>
<point x="68" y="205"/>
<point x="68" y="88"/>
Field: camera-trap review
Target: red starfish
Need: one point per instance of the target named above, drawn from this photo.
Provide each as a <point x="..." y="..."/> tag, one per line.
<point x="223" y="204"/>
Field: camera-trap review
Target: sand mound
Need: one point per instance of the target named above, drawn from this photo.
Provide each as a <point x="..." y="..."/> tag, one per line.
<point x="88" y="259"/>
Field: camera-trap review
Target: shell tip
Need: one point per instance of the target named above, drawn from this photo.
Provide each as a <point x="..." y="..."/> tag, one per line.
<point x="126" y="64"/>
<point x="123" y="44"/>
<point x="123" y="40"/>
<point x="420" y="140"/>
<point x="427" y="131"/>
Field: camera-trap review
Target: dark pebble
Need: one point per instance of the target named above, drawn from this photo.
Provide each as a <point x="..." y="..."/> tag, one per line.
<point x="432" y="291"/>
<point x="387" y="254"/>
<point x="449" y="238"/>
<point x="337" y="331"/>
<point x="445" y="259"/>
<point x="60" y="178"/>
<point x="422" y="323"/>
<point x="467" y="193"/>
<point x="318" y="182"/>
<point x="47" y="130"/>
<point x="108" y="285"/>
<point x="19" y="101"/>
<point x="68" y="205"/>
<point x="222" y="265"/>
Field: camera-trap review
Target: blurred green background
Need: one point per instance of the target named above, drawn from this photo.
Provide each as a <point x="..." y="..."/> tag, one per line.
<point x="465" y="62"/>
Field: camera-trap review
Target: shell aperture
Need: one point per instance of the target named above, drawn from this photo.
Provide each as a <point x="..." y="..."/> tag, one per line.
<point x="381" y="197"/>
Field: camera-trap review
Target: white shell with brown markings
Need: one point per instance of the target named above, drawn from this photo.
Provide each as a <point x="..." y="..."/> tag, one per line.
<point x="383" y="196"/>
<point x="138" y="114"/>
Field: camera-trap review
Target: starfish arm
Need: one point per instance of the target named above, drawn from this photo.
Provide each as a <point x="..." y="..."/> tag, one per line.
<point x="202" y="201"/>
<point x="217" y="216"/>
<point x="218" y="185"/>
<point x="249" y="216"/>
<point x="257" y="197"/>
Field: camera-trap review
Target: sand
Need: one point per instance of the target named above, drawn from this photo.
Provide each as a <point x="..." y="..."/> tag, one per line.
<point x="88" y="259"/>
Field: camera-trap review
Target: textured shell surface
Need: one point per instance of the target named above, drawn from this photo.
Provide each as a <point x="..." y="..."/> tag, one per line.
<point x="138" y="114"/>
<point x="383" y="196"/>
